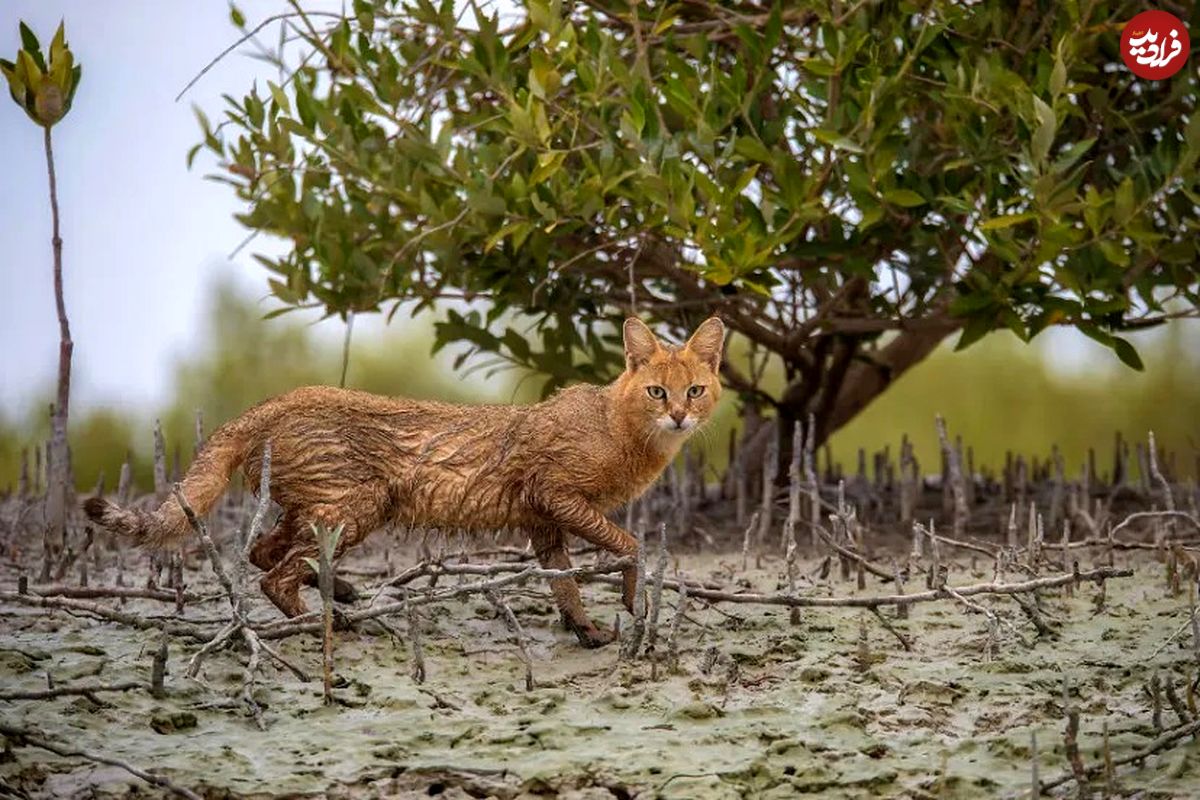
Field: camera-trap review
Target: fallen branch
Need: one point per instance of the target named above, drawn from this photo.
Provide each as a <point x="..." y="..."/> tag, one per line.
<point x="310" y="623"/>
<point x="905" y="642"/>
<point x="1098" y="574"/>
<point x="189" y="630"/>
<point x="1153" y="515"/>
<point x="34" y="739"/>
<point x="1167" y="740"/>
<point x="119" y="592"/>
<point x="994" y="619"/>
<point x="990" y="552"/>
<point x="853" y="555"/>
<point x="64" y="691"/>
<point x="1188" y="544"/>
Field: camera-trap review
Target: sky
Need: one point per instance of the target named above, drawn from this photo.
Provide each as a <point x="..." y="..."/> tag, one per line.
<point x="143" y="236"/>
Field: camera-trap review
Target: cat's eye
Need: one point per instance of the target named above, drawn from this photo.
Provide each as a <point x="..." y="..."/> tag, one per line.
<point x="657" y="392"/>
<point x="695" y="391"/>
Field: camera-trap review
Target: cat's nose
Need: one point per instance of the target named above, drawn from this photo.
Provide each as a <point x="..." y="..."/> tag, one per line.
<point x="679" y="417"/>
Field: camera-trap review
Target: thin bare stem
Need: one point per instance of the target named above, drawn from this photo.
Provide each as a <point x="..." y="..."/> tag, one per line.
<point x="36" y="739"/>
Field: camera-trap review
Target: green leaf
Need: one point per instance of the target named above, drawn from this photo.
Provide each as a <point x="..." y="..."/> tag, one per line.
<point x="236" y="16"/>
<point x="58" y="45"/>
<point x="486" y="203"/>
<point x="1072" y="154"/>
<point x="281" y="99"/>
<point x="637" y="115"/>
<point x="16" y="84"/>
<point x="744" y="179"/>
<point x="305" y="107"/>
<point x="1014" y="323"/>
<point x="975" y="329"/>
<point x="29" y="40"/>
<point x="906" y="198"/>
<point x="76" y="76"/>
<point x="1090" y="330"/>
<point x="516" y="344"/>
<point x="836" y="140"/>
<point x="752" y="149"/>
<point x="1043" y="134"/>
<point x="548" y="164"/>
<point x="1123" y="201"/>
<point x="1114" y="252"/>
<point x="1058" y="75"/>
<point x="871" y="214"/>
<point x="27" y="66"/>
<point x="513" y="228"/>
<point x="541" y="15"/>
<point x="1007" y="221"/>
<point x="544" y="80"/>
<point x="1127" y="353"/>
<point x="821" y="67"/>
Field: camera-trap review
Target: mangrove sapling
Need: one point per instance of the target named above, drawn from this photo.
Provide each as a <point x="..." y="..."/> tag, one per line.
<point x="158" y="669"/>
<point x="681" y="608"/>
<point x="955" y="476"/>
<point x="656" y="587"/>
<point x="44" y="87"/>
<point x="327" y="541"/>
<point x="414" y="639"/>
<point x="239" y="626"/>
<point x="633" y="644"/>
<point x="519" y="637"/>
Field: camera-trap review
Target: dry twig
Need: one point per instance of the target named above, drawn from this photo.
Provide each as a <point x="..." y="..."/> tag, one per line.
<point x="36" y="739"/>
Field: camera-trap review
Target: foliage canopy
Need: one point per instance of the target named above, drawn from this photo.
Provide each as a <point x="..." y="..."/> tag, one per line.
<point x="845" y="188"/>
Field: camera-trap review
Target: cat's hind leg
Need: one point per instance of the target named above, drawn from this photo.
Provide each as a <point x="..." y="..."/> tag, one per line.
<point x="273" y="546"/>
<point x="282" y="582"/>
<point x="550" y="546"/>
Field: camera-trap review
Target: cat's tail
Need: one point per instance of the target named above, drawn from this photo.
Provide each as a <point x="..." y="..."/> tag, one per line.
<point x="204" y="482"/>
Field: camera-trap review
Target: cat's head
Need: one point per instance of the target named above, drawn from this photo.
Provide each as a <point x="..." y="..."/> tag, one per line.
<point x="671" y="390"/>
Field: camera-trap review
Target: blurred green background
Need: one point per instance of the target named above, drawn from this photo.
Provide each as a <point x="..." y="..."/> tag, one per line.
<point x="1000" y="395"/>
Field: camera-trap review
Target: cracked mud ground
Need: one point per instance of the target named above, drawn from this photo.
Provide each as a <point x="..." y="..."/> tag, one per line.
<point x="756" y="708"/>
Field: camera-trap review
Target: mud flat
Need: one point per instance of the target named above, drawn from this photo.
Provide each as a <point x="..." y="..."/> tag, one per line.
<point x="754" y="707"/>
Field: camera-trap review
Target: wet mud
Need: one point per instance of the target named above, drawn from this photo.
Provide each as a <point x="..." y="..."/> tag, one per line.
<point x="755" y="707"/>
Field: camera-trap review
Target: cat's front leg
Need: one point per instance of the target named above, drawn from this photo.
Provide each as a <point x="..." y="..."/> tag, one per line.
<point x="575" y="515"/>
<point x="550" y="546"/>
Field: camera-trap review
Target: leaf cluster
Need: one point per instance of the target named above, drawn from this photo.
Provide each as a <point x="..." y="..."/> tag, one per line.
<point x="43" y="88"/>
<point x="806" y="173"/>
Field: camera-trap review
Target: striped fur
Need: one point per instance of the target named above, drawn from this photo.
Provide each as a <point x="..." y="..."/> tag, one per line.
<point x="363" y="460"/>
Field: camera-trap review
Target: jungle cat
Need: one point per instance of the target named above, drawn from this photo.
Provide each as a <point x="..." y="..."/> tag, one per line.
<point x="341" y="457"/>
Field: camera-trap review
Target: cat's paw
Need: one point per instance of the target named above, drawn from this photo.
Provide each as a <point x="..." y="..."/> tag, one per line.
<point x="344" y="591"/>
<point x="589" y="635"/>
<point x="340" y="621"/>
<point x="591" y="638"/>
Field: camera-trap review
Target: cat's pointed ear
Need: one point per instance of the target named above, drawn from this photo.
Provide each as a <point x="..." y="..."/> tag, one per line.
<point x="640" y="343"/>
<point x="708" y="341"/>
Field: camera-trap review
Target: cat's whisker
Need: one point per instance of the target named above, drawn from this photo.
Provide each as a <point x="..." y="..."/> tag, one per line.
<point x="355" y="462"/>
